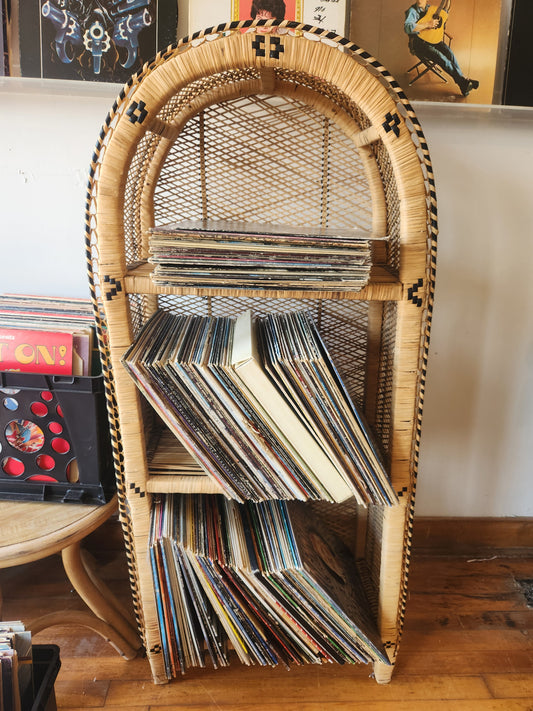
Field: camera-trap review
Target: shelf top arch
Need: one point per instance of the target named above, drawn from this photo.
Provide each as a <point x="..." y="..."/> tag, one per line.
<point x="177" y="144"/>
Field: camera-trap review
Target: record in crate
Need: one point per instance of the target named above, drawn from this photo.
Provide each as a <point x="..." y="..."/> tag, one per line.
<point x="260" y="405"/>
<point x="54" y="429"/>
<point x="50" y="334"/>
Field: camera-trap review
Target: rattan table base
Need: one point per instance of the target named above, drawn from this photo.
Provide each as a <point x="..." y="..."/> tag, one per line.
<point x="32" y="531"/>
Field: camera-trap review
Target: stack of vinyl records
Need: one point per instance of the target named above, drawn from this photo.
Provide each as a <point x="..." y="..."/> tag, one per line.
<point x="61" y="330"/>
<point x="277" y="585"/>
<point x="219" y="253"/>
<point x="16" y="672"/>
<point x="260" y="406"/>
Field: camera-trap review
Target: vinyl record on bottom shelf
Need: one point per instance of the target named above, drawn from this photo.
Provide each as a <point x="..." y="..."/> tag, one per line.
<point x="266" y="577"/>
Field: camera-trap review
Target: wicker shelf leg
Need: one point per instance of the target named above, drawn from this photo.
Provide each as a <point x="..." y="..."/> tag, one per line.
<point x="96" y="596"/>
<point x="383" y="672"/>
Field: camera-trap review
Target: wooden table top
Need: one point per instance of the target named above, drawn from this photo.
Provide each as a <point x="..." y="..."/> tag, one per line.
<point x="33" y="530"/>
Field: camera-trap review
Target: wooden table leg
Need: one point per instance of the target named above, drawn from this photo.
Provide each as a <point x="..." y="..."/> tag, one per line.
<point x="97" y="596"/>
<point x="88" y="564"/>
<point x="85" y="619"/>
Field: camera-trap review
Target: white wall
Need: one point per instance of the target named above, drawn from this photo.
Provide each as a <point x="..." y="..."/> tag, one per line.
<point x="48" y="131"/>
<point x="476" y="456"/>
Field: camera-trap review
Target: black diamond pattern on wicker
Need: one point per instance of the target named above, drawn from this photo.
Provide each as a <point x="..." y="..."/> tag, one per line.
<point x="258" y="44"/>
<point x="114" y="289"/>
<point x="137" y="490"/>
<point x="137" y="112"/>
<point x="392" y="123"/>
<point x="413" y="291"/>
<point x="276" y="47"/>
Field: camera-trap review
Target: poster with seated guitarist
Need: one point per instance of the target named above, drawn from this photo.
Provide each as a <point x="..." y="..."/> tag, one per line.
<point x="425" y="26"/>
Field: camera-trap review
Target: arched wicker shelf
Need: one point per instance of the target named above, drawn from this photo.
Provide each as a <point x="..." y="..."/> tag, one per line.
<point x="291" y="125"/>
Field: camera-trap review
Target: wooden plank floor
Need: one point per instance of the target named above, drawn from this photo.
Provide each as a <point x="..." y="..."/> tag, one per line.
<point x="467" y="646"/>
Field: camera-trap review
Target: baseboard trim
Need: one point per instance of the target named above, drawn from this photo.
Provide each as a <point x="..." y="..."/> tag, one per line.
<point x="473" y="536"/>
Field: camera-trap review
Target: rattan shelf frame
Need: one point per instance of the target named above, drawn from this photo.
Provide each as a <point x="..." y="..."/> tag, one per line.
<point x="168" y="129"/>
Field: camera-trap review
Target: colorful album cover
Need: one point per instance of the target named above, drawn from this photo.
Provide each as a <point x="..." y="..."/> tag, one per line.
<point x="330" y="15"/>
<point x="445" y="50"/>
<point x="91" y="40"/>
<point x="36" y="351"/>
<point x="25" y="436"/>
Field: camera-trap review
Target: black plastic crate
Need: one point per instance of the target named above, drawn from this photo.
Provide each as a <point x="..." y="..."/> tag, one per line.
<point x="54" y="439"/>
<point x="46" y="665"/>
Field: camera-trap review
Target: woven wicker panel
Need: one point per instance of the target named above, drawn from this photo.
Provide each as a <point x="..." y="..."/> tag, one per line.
<point x="374" y="543"/>
<point x="393" y="204"/>
<point x="265" y="159"/>
<point x="341" y="518"/>
<point x="259" y="158"/>
<point x="135" y="183"/>
<point x="385" y="378"/>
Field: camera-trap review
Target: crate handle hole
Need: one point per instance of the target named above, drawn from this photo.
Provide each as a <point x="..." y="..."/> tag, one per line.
<point x="11" y="404"/>
<point x="12" y="466"/>
<point x="73" y="472"/>
<point x="60" y="445"/>
<point x="45" y="462"/>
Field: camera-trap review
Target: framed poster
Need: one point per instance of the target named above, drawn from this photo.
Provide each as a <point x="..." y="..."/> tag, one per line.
<point x="266" y="10"/>
<point x="331" y="15"/>
<point x="431" y="48"/>
<point x="92" y="40"/>
<point x="326" y="14"/>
